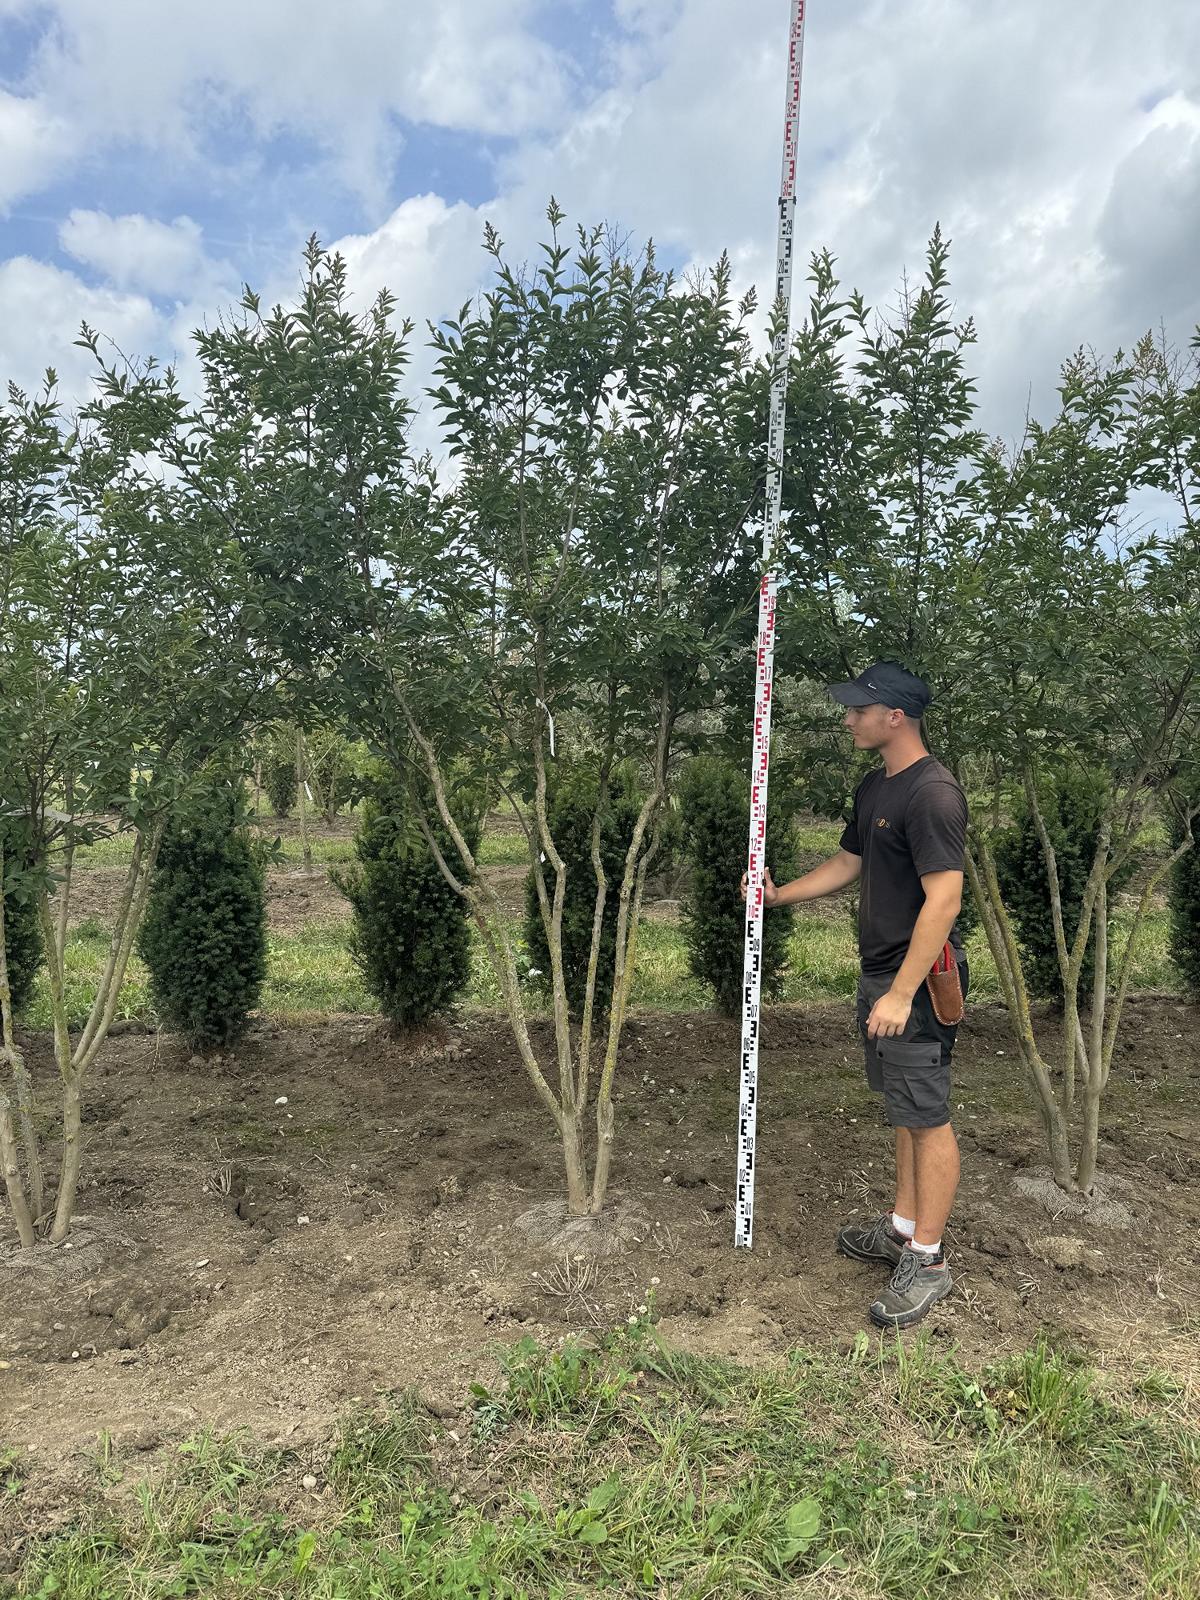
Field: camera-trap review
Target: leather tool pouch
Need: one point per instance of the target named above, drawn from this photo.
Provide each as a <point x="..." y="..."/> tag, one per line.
<point x="945" y="989"/>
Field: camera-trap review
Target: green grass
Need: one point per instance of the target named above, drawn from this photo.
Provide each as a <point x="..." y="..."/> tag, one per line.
<point x="497" y="849"/>
<point x="503" y="849"/>
<point x="311" y="970"/>
<point x="626" y="1468"/>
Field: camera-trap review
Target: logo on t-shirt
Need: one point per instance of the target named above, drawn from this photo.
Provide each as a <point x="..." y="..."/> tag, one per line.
<point x="883" y="823"/>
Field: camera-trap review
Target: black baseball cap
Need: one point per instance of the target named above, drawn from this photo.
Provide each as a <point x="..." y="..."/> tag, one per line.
<point x="885" y="684"/>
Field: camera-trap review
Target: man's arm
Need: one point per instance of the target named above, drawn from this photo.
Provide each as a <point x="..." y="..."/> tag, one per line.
<point x="943" y="901"/>
<point x="837" y="873"/>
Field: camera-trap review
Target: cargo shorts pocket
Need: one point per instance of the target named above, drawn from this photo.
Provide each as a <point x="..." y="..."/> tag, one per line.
<point x="870" y="990"/>
<point x="915" y="1082"/>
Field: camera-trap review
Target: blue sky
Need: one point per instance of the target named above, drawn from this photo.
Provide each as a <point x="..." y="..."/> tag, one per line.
<point x="154" y="155"/>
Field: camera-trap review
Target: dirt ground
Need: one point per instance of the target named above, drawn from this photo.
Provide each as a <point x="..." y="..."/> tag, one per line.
<point x="324" y="1215"/>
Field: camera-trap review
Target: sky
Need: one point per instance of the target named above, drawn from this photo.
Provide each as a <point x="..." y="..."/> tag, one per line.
<point x="156" y="154"/>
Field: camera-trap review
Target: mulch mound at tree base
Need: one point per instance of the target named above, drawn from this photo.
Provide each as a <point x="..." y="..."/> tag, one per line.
<point x="238" y="1260"/>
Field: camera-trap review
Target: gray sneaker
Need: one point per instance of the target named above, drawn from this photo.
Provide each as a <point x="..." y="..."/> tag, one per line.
<point x="917" y="1285"/>
<point x="871" y="1241"/>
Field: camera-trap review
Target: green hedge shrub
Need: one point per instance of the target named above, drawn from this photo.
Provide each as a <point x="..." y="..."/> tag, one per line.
<point x="279" y="771"/>
<point x="1071" y="806"/>
<point x="22" y="936"/>
<point x="204" y="935"/>
<point x="714" y="804"/>
<point x="570" y="806"/>
<point x="411" y="937"/>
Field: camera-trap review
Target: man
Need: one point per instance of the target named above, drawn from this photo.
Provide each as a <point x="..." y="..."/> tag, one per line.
<point x="905" y="843"/>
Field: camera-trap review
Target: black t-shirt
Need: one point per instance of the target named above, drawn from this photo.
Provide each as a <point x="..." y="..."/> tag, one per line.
<point x="903" y="828"/>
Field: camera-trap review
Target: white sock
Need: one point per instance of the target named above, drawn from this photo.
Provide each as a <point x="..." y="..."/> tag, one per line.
<point x="903" y="1226"/>
<point x="925" y="1249"/>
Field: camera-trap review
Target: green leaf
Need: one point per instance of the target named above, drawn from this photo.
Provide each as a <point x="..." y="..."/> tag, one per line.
<point x="800" y="1527"/>
<point x="602" y="1495"/>
<point x="592" y="1533"/>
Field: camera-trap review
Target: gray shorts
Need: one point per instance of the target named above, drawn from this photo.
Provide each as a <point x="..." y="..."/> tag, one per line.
<point x="911" y="1072"/>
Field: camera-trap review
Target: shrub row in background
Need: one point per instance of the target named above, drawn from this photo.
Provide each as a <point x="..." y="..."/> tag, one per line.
<point x="204" y="937"/>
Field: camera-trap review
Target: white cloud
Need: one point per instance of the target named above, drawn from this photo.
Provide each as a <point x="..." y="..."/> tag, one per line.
<point x="41" y="308"/>
<point x="33" y="141"/>
<point x="169" y="76"/>
<point x="429" y="255"/>
<point x="1036" y="135"/>
<point x="137" y="252"/>
<point x="1059" y="146"/>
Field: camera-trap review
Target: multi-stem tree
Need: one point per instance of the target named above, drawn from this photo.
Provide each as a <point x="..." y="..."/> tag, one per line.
<point x="1084" y="653"/>
<point x="1057" y="633"/>
<point x="127" y="615"/>
<point x="590" y="565"/>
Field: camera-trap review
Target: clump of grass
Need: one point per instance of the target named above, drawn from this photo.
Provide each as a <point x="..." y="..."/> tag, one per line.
<point x="115" y="851"/>
<point x="86" y="954"/>
<point x="379" y="1459"/>
<point x="324" y="849"/>
<point x="503" y="848"/>
<point x="312" y="970"/>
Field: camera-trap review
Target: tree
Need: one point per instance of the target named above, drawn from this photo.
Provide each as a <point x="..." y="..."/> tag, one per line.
<point x="128" y="644"/>
<point x="591" y="562"/>
<point x="1059" y="636"/>
<point x="1082" y="658"/>
<point x="332" y="769"/>
<point x="204" y="936"/>
<point x="412" y="938"/>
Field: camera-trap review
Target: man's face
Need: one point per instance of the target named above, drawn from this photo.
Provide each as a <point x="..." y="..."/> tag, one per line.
<point x="870" y="726"/>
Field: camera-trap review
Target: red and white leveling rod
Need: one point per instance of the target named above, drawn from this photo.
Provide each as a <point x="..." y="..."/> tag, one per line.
<point x="752" y="971"/>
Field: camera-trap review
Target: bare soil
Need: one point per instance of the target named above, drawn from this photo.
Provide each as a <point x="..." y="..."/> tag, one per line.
<point x="326" y="1214"/>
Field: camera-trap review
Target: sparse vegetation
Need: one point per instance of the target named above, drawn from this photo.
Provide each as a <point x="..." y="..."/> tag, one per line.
<point x="626" y="1467"/>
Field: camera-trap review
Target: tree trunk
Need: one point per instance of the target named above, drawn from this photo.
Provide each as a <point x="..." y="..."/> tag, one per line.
<point x="302" y="798"/>
<point x="605" y="1125"/>
<point x="68" y="1179"/>
<point x="576" y="1166"/>
<point x="33" y="1156"/>
<point x="15" y="1189"/>
<point x="1085" y="1170"/>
